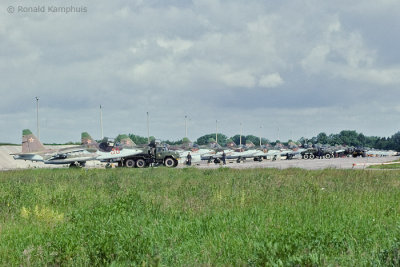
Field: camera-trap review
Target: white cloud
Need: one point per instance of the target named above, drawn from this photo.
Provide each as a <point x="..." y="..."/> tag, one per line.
<point x="271" y="80"/>
<point x="176" y="46"/>
<point x="239" y="79"/>
<point x="345" y="55"/>
<point x="171" y="57"/>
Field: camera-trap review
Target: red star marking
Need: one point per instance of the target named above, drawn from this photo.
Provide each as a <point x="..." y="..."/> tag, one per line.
<point x="31" y="140"/>
<point x="89" y="141"/>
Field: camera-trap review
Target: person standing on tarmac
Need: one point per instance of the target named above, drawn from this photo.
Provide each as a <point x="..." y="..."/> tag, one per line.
<point x="223" y="157"/>
<point x="189" y="159"/>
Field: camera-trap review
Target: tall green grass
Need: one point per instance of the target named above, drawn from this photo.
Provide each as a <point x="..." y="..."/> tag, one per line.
<point x="258" y="217"/>
<point x="385" y="166"/>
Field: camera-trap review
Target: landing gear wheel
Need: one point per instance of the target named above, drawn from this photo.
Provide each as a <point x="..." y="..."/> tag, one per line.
<point x="311" y="156"/>
<point x="305" y="156"/>
<point x="140" y="163"/>
<point x="130" y="163"/>
<point x="169" y="162"/>
<point x="328" y="156"/>
<point x="216" y="161"/>
<point x="108" y="166"/>
<point x="75" y="165"/>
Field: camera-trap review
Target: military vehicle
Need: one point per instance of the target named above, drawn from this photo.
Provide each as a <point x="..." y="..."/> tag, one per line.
<point x="152" y="154"/>
<point x="359" y="152"/>
<point x="320" y="152"/>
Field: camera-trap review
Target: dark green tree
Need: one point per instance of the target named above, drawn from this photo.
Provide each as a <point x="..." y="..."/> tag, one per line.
<point x="322" y="138"/>
<point x="204" y="140"/>
<point x="252" y="138"/>
<point x="140" y="140"/>
<point x="396" y="141"/>
<point x="349" y="137"/>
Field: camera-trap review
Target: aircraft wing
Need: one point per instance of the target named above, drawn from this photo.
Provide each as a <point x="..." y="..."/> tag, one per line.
<point x="71" y="150"/>
<point x="117" y="154"/>
<point x="27" y="156"/>
<point x="243" y="154"/>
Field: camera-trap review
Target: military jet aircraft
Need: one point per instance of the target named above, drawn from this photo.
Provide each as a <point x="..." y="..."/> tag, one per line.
<point x="111" y="151"/>
<point x="195" y="151"/>
<point x="77" y="156"/>
<point x="196" y="154"/>
<point x="33" y="150"/>
<point x="381" y="153"/>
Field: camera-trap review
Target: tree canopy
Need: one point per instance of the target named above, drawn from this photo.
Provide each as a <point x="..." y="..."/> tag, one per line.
<point x="345" y="137"/>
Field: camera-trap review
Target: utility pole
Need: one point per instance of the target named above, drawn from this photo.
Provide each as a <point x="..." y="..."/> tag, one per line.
<point x="148" y="128"/>
<point x="241" y="133"/>
<point x="278" y="136"/>
<point x="37" y="117"/>
<point x="260" y="135"/>
<point x="101" y="123"/>
<point x="216" y="131"/>
<point x="186" y="126"/>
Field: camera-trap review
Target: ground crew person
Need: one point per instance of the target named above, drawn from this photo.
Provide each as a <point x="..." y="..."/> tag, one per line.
<point x="189" y="159"/>
<point x="223" y="157"/>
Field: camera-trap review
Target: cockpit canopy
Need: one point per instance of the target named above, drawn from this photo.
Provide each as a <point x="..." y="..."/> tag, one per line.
<point x="107" y="144"/>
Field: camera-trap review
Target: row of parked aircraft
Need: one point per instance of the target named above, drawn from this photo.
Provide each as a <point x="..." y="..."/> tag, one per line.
<point x="127" y="153"/>
<point x="258" y="154"/>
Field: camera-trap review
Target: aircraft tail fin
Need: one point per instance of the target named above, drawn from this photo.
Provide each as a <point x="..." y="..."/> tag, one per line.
<point x="30" y="143"/>
<point x="87" y="140"/>
<point x="126" y="141"/>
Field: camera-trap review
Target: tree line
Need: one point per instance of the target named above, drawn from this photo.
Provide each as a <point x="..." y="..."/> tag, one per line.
<point x="352" y="138"/>
<point x="345" y="137"/>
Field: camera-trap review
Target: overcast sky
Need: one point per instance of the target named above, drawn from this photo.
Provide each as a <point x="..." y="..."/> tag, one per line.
<point x="285" y="69"/>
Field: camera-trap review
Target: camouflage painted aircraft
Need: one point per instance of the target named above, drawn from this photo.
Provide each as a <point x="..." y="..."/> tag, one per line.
<point x="33" y="150"/>
<point x="126" y="142"/>
<point x="111" y="151"/>
<point x="77" y="156"/>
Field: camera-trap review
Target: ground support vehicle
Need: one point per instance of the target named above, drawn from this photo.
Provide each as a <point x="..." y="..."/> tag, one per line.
<point x="151" y="155"/>
<point x="313" y="153"/>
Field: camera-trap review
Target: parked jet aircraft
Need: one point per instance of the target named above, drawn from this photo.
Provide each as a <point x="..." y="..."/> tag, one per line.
<point x="196" y="154"/>
<point x="77" y="156"/>
<point x="109" y="151"/>
<point x="195" y="151"/>
<point x="33" y="150"/>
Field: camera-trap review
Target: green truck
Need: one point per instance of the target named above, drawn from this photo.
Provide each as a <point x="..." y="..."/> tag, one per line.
<point x="153" y="155"/>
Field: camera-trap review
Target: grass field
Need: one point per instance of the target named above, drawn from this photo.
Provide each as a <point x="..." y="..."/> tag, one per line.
<point x="386" y="166"/>
<point x="175" y="217"/>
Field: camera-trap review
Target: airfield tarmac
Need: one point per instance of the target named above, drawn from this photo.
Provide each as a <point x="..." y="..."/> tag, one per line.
<point x="8" y="163"/>
<point x="315" y="164"/>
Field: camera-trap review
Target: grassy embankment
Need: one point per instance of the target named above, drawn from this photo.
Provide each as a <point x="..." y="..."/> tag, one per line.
<point x="8" y="144"/>
<point x="394" y="165"/>
<point x="385" y="166"/>
<point x="193" y="217"/>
